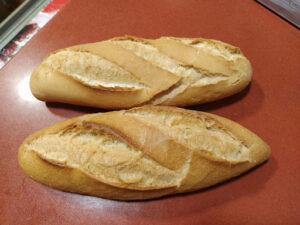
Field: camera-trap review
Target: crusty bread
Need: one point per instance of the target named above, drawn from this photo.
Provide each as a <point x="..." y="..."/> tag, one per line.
<point x="128" y="71"/>
<point x="141" y="153"/>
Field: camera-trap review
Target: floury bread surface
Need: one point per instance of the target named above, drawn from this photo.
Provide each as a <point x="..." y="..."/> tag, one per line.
<point x="141" y="153"/>
<point x="128" y="71"/>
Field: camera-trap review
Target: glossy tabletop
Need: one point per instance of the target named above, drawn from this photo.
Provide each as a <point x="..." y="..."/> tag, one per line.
<point x="270" y="107"/>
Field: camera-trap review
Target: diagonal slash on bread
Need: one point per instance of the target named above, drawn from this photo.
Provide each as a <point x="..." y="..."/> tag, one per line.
<point x="128" y="71"/>
<point x="141" y="153"/>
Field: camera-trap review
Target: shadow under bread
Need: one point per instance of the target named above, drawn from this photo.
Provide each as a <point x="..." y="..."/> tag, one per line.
<point x="68" y="110"/>
<point x="238" y="106"/>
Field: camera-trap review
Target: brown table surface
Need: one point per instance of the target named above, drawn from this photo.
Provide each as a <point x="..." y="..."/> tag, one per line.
<point x="269" y="194"/>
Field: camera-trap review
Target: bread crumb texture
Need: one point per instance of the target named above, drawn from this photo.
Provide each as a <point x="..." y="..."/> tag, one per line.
<point x="171" y="71"/>
<point x="145" y="148"/>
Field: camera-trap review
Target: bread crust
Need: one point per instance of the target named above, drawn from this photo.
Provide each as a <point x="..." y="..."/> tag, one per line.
<point x="129" y="71"/>
<point x="167" y="164"/>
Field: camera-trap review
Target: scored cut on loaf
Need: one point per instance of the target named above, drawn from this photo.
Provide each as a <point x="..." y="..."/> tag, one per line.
<point x="141" y="153"/>
<point x="129" y="71"/>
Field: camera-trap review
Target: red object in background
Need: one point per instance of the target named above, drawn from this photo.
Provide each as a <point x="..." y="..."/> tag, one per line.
<point x="55" y="5"/>
<point x="29" y="30"/>
<point x="13" y="46"/>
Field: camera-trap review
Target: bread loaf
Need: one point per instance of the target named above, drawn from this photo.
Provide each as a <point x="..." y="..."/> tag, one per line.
<point x="128" y="71"/>
<point x="141" y="153"/>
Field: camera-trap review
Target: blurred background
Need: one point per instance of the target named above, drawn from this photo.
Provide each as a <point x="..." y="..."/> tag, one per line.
<point x="20" y="20"/>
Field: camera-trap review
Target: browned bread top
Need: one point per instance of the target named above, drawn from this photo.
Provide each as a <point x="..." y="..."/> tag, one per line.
<point x="129" y="71"/>
<point x="140" y="153"/>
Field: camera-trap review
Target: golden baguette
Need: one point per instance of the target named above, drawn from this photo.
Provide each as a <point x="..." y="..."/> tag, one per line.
<point x="141" y="153"/>
<point x="128" y="71"/>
